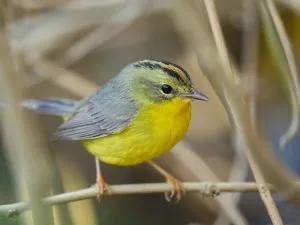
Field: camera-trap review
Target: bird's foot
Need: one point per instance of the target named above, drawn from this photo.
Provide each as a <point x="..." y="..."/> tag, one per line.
<point x="177" y="189"/>
<point x="102" y="187"/>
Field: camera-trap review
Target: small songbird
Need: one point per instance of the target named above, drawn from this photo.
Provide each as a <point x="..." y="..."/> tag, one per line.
<point x="136" y="116"/>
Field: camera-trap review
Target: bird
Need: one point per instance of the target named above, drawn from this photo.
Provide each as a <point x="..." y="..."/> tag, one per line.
<point x="136" y="116"/>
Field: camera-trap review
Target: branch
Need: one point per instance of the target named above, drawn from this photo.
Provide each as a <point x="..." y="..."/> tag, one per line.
<point x="226" y="64"/>
<point x="112" y="27"/>
<point x="206" y="188"/>
<point x="255" y="145"/>
<point x="290" y="72"/>
<point x="194" y="167"/>
<point x="23" y="145"/>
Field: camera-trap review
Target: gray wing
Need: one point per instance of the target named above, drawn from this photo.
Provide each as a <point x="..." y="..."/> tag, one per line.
<point x="97" y="118"/>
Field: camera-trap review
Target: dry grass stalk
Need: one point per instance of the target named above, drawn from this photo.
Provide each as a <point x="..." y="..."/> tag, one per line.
<point x="24" y="146"/>
<point x="238" y="112"/>
<point x="208" y="189"/>
<point x="226" y="64"/>
<point x="294" y="127"/>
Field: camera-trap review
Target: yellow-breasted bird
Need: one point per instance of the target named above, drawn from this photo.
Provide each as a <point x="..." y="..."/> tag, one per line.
<point x="136" y="116"/>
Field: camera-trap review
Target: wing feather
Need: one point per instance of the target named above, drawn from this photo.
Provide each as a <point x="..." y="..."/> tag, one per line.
<point x="97" y="118"/>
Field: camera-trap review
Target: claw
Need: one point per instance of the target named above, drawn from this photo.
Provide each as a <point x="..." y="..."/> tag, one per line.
<point x="177" y="190"/>
<point x="102" y="187"/>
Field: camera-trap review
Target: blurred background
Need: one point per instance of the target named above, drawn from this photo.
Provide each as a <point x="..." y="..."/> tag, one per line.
<point x="66" y="48"/>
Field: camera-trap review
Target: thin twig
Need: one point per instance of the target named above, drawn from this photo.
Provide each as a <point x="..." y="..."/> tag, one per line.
<point x="250" y="55"/>
<point x="226" y="64"/>
<point x="60" y="76"/>
<point x="26" y="145"/>
<point x="38" y="4"/>
<point x="238" y="173"/>
<point x="207" y="188"/>
<point x="286" y="45"/>
<point x="219" y="38"/>
<point x="189" y="161"/>
<point x="238" y="112"/>
<point x="43" y="33"/>
<point x="100" y="35"/>
<point x="291" y="4"/>
<point x="250" y="70"/>
<point x="240" y="167"/>
<point x="264" y="192"/>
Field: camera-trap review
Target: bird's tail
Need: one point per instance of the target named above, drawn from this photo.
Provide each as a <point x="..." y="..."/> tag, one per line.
<point x="51" y="106"/>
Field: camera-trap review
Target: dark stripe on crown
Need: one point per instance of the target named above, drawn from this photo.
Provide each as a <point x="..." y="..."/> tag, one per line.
<point x="146" y="64"/>
<point x="172" y="73"/>
<point x="179" y="67"/>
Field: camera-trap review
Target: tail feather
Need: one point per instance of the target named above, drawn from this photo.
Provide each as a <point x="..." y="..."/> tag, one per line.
<point x="51" y="106"/>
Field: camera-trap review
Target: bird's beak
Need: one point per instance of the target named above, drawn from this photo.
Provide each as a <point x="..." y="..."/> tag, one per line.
<point x="194" y="94"/>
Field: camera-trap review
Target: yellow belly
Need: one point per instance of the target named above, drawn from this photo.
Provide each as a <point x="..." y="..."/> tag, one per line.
<point x="154" y="130"/>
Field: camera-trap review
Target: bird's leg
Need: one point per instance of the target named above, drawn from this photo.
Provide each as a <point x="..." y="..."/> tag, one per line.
<point x="177" y="188"/>
<point x="101" y="185"/>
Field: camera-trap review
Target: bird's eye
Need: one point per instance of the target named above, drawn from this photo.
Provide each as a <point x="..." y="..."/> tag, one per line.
<point x="167" y="89"/>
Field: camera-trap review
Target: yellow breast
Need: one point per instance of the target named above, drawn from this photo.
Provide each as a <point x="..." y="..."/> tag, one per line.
<point x="154" y="130"/>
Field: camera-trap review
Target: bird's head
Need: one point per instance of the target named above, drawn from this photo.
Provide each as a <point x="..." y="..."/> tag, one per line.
<point x="160" y="81"/>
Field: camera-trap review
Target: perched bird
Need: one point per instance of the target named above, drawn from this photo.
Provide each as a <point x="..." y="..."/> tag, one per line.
<point x="136" y="116"/>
